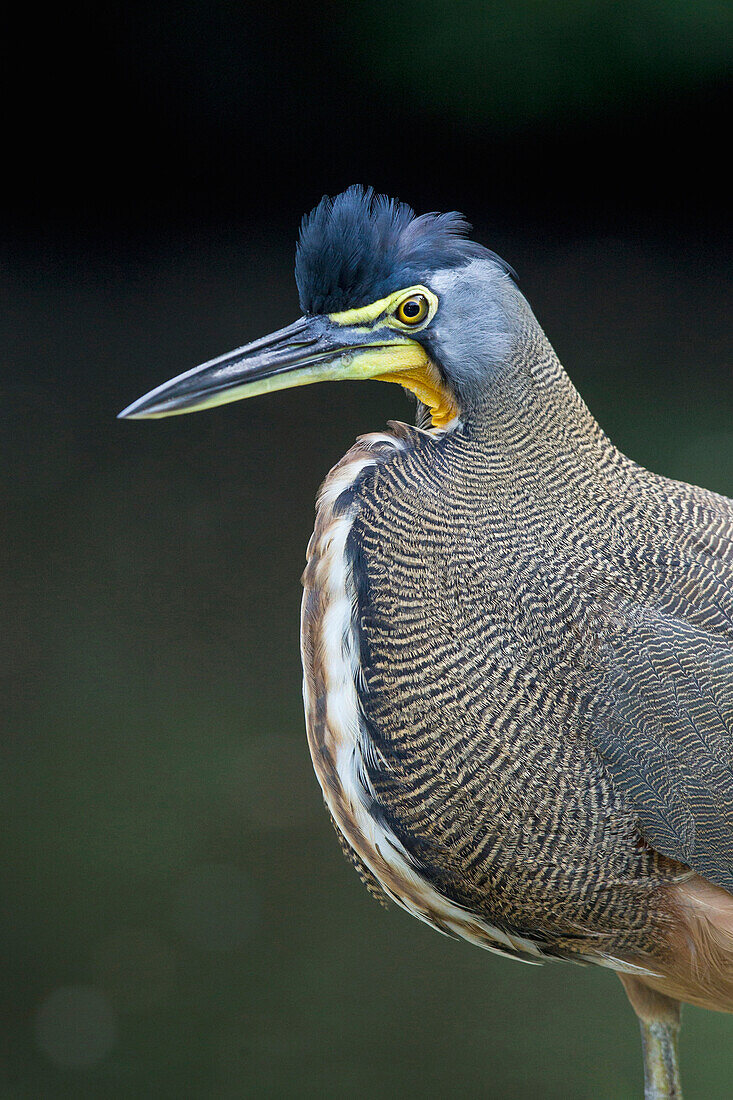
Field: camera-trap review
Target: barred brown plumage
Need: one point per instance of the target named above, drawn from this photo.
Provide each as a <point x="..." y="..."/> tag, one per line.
<point x="492" y="566"/>
<point x="517" y="644"/>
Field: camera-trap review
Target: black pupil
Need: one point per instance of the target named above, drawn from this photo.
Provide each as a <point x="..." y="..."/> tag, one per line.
<point x="411" y="309"/>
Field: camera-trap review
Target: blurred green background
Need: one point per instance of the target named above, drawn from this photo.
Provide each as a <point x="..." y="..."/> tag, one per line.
<point x="177" y="917"/>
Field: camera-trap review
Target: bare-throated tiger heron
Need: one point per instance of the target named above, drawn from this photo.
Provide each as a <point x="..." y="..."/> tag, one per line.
<point x="517" y="644"/>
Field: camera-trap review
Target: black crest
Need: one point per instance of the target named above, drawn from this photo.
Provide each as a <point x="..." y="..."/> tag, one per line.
<point x="360" y="247"/>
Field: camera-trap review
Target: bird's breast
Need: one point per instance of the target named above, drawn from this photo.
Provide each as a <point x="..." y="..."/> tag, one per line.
<point x="449" y="670"/>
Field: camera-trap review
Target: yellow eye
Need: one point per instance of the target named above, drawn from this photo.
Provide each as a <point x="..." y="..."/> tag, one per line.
<point x="413" y="310"/>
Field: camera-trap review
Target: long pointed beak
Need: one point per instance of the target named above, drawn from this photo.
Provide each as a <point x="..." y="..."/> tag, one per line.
<point x="313" y="349"/>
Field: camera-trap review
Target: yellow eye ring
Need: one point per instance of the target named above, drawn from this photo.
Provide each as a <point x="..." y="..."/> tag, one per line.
<point x="412" y="310"/>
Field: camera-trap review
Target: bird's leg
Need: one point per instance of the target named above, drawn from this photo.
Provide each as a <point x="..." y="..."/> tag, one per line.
<point x="659" y="1017"/>
<point x="661" y="1068"/>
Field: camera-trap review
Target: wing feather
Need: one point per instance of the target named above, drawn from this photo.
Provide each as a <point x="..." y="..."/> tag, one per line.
<point x="667" y="732"/>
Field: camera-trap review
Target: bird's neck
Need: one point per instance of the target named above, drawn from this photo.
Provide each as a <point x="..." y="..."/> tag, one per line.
<point x="531" y="408"/>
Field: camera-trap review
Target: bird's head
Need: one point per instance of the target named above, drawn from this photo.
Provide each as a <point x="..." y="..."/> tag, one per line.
<point x="385" y="295"/>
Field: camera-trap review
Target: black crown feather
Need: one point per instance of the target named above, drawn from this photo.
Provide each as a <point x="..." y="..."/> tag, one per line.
<point x="359" y="247"/>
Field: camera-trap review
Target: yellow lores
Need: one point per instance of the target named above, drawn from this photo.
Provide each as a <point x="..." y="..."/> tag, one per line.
<point x="407" y="364"/>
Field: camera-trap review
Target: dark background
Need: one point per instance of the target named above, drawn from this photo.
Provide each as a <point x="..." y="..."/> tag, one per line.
<point x="177" y="918"/>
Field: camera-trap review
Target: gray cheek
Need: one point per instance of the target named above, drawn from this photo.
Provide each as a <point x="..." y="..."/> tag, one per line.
<point x="475" y="327"/>
<point x="469" y="353"/>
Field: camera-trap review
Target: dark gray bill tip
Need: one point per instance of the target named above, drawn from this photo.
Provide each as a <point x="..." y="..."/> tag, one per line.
<point x="130" y="413"/>
<point x="144" y="408"/>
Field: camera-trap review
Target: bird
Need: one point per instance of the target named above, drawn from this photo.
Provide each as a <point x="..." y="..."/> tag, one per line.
<point x="517" y="643"/>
